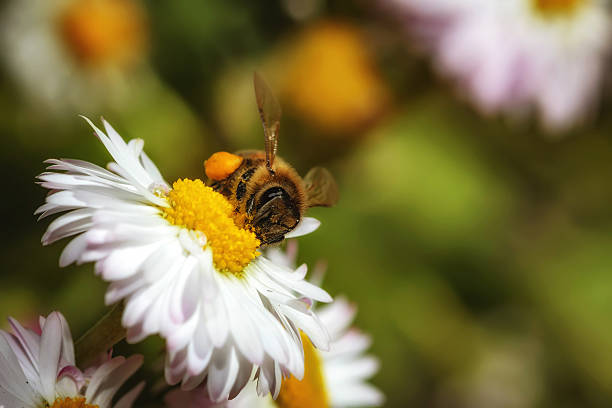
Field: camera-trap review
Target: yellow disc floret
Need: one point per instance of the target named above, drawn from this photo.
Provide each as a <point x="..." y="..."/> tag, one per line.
<point x="311" y="391"/>
<point x="195" y="206"/>
<point x="77" y="402"/>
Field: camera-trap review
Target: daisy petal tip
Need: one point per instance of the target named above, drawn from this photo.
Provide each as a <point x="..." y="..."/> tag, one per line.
<point x="55" y="316"/>
<point x="326" y="297"/>
<point x="306" y="226"/>
<point x="64" y="261"/>
<point x="136" y="359"/>
<point x="86" y="119"/>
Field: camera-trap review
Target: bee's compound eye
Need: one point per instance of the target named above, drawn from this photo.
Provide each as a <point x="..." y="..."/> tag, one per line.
<point x="221" y="164"/>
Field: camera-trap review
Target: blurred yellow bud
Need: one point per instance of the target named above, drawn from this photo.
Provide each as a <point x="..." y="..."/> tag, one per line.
<point x="331" y="80"/>
<point x="99" y="32"/>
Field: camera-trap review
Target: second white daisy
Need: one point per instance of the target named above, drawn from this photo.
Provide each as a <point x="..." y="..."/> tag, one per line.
<point x="184" y="269"/>
<point x="38" y="370"/>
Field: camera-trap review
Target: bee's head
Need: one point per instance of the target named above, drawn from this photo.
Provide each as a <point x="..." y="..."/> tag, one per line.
<point x="275" y="212"/>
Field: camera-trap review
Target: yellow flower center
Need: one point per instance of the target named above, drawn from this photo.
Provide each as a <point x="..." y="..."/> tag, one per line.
<point x="195" y="206"/>
<point x="103" y="31"/>
<point x="311" y="391"/>
<point x="557" y="7"/>
<point x="78" y="402"/>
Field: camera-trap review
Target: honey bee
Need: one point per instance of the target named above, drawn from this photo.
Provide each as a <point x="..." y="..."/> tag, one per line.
<point x="268" y="195"/>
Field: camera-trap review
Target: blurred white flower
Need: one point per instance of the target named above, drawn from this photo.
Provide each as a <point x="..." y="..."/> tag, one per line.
<point x="184" y="269"/>
<point x="515" y="56"/>
<point x="67" y="54"/>
<point x="37" y="370"/>
<point x="335" y="378"/>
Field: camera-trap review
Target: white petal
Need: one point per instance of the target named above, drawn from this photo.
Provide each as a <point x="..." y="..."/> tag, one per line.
<point x="222" y="372"/>
<point x="245" y="369"/>
<point x="151" y="168"/>
<point x="357" y="395"/>
<point x="355" y="370"/>
<point x="66" y="387"/>
<point x="309" y="324"/>
<point x="68" y="224"/>
<point x="73" y="250"/>
<point x="351" y="343"/>
<point x="67" y="344"/>
<point x="12" y="378"/>
<point x="175" y="366"/>
<point x="29" y="341"/>
<point x="127" y="401"/>
<point x="135" y="146"/>
<point x="100" y="375"/>
<point x="49" y="357"/>
<point x="9" y="400"/>
<point x="108" y="386"/>
<point x="306" y="226"/>
<point x="124" y="262"/>
<point x="216" y="320"/>
<point x="191" y="382"/>
<point x="337" y="316"/>
<point x="241" y="323"/>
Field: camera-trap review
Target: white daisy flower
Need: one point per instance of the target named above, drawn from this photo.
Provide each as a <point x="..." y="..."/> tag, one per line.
<point x="335" y="378"/>
<point x="37" y="370"/>
<point x="184" y="270"/>
<point x="516" y="55"/>
<point x="73" y="53"/>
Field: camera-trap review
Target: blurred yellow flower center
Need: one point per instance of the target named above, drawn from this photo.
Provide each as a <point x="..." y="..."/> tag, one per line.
<point x="71" y="403"/>
<point x="332" y="80"/>
<point x="311" y="391"/>
<point x="556" y="7"/>
<point x="195" y="206"/>
<point x="103" y="31"/>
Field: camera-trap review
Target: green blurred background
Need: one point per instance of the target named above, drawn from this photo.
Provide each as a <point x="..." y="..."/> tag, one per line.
<point x="478" y="250"/>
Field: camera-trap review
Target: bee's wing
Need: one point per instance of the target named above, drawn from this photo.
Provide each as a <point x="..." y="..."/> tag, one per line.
<point x="321" y="188"/>
<point x="270" y="113"/>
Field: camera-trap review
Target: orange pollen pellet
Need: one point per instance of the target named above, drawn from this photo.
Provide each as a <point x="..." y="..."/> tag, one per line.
<point x="221" y="164"/>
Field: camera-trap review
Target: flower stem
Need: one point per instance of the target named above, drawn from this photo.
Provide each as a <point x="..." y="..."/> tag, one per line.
<point x="107" y="332"/>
